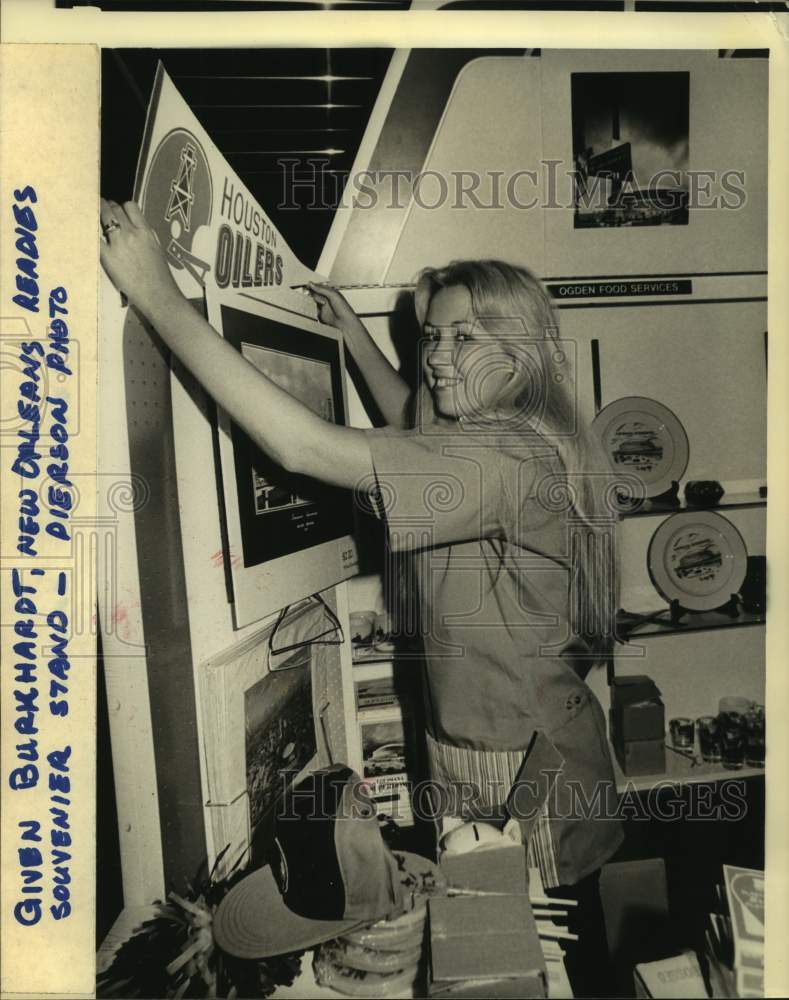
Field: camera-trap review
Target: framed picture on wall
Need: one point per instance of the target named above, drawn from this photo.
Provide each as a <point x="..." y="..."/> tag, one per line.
<point x="279" y="732"/>
<point x="287" y="536"/>
<point x="259" y="731"/>
<point x="630" y="148"/>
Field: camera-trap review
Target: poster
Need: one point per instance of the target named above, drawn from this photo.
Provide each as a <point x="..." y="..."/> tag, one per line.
<point x="217" y="237"/>
<point x="70" y="971"/>
<point x="388" y="748"/>
<point x="279" y="728"/>
<point x="631" y="148"/>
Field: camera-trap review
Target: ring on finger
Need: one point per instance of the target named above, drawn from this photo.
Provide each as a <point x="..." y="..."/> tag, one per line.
<point x="110" y="226"/>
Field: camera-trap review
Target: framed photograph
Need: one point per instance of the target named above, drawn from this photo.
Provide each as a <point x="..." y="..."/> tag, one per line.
<point x="630" y="148"/>
<point x="259" y="731"/>
<point x="279" y="733"/>
<point x="287" y="536"/>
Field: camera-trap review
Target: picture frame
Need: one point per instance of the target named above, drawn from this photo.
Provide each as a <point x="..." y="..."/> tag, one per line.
<point x="245" y="705"/>
<point x="286" y="536"/>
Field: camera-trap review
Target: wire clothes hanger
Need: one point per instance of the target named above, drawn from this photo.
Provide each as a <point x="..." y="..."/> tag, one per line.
<point x="318" y="640"/>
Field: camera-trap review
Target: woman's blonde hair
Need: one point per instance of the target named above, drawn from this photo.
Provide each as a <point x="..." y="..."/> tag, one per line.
<point x="510" y="303"/>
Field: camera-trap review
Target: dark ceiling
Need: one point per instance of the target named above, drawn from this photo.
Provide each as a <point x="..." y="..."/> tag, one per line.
<point x="276" y="115"/>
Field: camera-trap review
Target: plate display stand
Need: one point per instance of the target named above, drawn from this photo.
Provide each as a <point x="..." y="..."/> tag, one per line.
<point x="675" y="612"/>
<point x="662" y="504"/>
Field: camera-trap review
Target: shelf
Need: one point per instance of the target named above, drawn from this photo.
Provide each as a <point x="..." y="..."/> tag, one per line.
<point x="371" y="654"/>
<point x="697" y="621"/>
<point x="679" y="770"/>
<point x="651" y="508"/>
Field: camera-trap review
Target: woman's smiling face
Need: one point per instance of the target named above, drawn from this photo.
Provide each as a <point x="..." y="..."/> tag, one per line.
<point x="466" y="368"/>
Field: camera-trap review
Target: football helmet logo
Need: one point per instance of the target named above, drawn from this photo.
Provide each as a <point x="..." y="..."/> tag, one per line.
<point x="177" y="199"/>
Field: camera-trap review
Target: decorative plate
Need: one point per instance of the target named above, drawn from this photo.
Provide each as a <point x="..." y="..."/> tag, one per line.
<point x="697" y="558"/>
<point x="643" y="437"/>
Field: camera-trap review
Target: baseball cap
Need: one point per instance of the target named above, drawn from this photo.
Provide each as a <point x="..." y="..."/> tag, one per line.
<point x="329" y="872"/>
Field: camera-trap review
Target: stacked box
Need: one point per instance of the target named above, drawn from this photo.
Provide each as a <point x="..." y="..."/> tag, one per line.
<point x="486" y="945"/>
<point x="496" y="869"/>
<point x="637" y="725"/>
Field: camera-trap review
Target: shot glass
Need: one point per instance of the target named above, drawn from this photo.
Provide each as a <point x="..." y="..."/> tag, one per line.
<point x="734" y="739"/>
<point x="709" y="738"/>
<point x="681" y="733"/>
<point x="755" y="739"/>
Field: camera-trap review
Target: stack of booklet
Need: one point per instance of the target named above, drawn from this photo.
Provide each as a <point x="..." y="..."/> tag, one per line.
<point x="675" y="978"/>
<point x="548" y="916"/>
<point x="386" y="731"/>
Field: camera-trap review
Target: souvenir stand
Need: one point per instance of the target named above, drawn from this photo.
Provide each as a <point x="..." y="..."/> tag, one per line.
<point x="667" y="329"/>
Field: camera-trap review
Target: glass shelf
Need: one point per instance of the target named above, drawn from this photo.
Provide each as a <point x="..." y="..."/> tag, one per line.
<point x="680" y="771"/>
<point x="363" y="653"/>
<point x="696" y="621"/>
<point x="729" y="501"/>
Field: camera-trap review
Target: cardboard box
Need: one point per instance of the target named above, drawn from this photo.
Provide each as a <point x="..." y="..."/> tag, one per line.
<point x="637" y="711"/>
<point x="485" y="943"/>
<point x="638" y="924"/>
<point x="495" y="869"/>
<point x="641" y="756"/>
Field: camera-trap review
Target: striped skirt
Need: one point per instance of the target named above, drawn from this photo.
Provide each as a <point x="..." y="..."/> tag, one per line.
<point x="491" y="774"/>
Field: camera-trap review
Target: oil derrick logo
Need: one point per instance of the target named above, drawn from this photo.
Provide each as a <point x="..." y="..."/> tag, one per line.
<point x="181" y="188"/>
<point x="177" y="199"/>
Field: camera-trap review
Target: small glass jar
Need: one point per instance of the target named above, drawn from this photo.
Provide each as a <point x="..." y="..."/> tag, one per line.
<point x="709" y="738"/>
<point x="734" y="739"/>
<point x="755" y="739"/>
<point x="682" y="733"/>
<point x="733" y="703"/>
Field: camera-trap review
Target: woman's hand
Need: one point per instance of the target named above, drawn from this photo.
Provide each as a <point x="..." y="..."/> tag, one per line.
<point x="132" y="257"/>
<point x="334" y="309"/>
<point x="390" y="391"/>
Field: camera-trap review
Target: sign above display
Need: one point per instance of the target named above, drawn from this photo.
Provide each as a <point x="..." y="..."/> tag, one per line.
<point x="210" y="226"/>
<point x="619" y="288"/>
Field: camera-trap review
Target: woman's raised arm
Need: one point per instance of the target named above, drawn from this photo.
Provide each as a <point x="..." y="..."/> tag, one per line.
<point x="390" y="391"/>
<point x="295" y="437"/>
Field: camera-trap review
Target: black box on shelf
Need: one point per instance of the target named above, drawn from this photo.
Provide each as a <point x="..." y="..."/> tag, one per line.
<point x="637" y="725"/>
<point x="641" y="756"/>
<point x="637" y="710"/>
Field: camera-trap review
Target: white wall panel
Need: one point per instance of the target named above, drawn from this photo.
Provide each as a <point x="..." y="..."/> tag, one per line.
<point x="492" y="122"/>
<point x="727" y="131"/>
<point x="706" y="362"/>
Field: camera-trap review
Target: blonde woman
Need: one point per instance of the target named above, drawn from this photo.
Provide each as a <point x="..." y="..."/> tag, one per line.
<point x="487" y="478"/>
